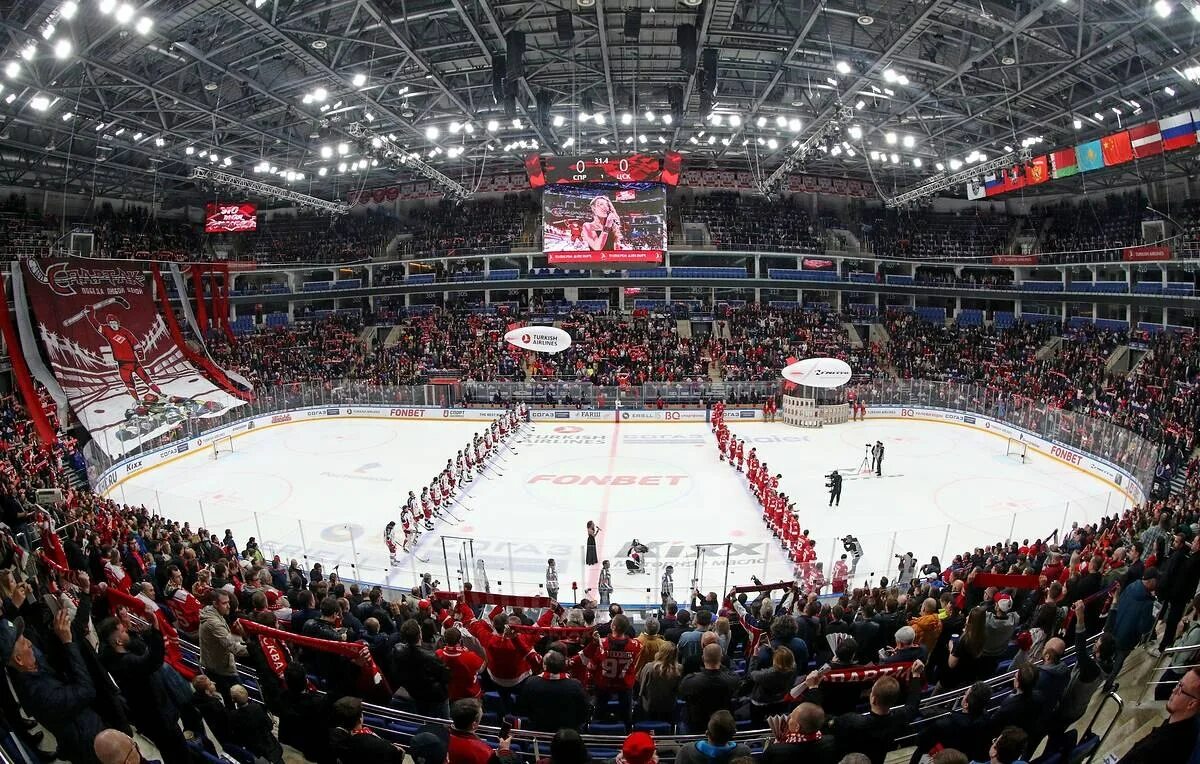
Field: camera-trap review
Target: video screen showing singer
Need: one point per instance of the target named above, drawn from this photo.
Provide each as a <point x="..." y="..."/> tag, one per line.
<point x="603" y="231"/>
<point x="628" y="216"/>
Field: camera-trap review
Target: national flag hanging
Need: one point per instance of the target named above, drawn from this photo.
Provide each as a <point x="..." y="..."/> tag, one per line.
<point x="975" y="190"/>
<point x="992" y="183"/>
<point x="1145" y="140"/>
<point x="1116" y="148"/>
<point x="1063" y="163"/>
<point x="1038" y="171"/>
<point x="1178" y="131"/>
<point x="1089" y="156"/>
<point x="1011" y="179"/>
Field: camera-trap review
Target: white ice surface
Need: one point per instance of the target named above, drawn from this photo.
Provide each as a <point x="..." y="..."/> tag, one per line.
<point x="322" y="490"/>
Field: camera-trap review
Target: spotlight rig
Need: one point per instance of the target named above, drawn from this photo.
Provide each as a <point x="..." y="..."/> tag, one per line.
<point x="389" y="149"/>
<point x="265" y="189"/>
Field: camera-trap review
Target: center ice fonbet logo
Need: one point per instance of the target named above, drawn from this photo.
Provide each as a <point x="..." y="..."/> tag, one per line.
<point x="630" y="483"/>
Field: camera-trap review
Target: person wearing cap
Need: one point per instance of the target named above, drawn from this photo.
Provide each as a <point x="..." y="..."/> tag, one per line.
<point x="1131" y="618"/>
<point x="998" y="629"/>
<point x="63" y="702"/>
<point x="718" y="745"/>
<point x="638" y="748"/>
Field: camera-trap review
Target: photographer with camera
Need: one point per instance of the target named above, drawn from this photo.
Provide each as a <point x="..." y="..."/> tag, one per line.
<point x="833" y="481"/>
<point x="877" y="458"/>
<point x="854" y="548"/>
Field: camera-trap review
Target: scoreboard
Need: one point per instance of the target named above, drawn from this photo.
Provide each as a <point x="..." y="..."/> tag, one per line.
<point x="604" y="168"/>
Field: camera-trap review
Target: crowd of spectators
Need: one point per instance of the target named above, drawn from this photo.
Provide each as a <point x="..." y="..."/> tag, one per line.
<point x="449" y="228"/>
<point x="751" y="222"/>
<point x="923" y="234"/>
<point x="314" y="237"/>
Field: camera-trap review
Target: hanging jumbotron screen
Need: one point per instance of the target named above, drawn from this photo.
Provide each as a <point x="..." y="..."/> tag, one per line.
<point x="604" y="224"/>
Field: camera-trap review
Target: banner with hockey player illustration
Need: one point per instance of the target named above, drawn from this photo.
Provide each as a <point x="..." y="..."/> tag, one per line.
<point x="126" y="379"/>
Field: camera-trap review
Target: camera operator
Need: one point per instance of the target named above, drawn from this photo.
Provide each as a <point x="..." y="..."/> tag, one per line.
<point x="833" y="481"/>
<point x="877" y="458"/>
<point x="854" y="548"/>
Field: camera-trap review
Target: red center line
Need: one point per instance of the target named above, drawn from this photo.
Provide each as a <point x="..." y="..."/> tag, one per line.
<point x="593" y="572"/>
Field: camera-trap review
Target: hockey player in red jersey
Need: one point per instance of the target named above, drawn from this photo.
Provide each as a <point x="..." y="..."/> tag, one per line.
<point x="612" y="661"/>
<point x="126" y="353"/>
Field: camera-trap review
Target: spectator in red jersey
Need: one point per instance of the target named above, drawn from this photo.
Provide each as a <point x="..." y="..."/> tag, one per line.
<point x="464" y="666"/>
<point x="465" y="746"/>
<point x="616" y="658"/>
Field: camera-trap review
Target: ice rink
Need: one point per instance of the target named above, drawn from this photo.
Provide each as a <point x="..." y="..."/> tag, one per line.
<point x="322" y="490"/>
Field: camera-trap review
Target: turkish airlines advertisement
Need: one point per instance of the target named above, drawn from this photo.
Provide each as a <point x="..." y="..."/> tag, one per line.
<point x="230" y="217"/>
<point x="127" y="380"/>
<point x="604" y="223"/>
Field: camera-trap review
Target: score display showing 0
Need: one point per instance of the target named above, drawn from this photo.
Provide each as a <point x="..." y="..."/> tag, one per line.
<point x="581" y="167"/>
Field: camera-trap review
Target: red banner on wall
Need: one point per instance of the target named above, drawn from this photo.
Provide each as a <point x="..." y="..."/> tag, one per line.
<point x="127" y="380"/>
<point x="1014" y="259"/>
<point x="1138" y="254"/>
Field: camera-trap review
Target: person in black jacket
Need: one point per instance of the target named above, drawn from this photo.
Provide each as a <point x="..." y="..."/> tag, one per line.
<point x="967" y="729"/>
<point x="251" y="728"/>
<point x="1024" y="708"/>
<point x="708" y="691"/>
<point x="63" y="703"/>
<point x="875" y="733"/>
<point x="418" y="671"/>
<point x="350" y="742"/>
<point x="1177" y="587"/>
<point x="553" y="700"/>
<point x="136" y="663"/>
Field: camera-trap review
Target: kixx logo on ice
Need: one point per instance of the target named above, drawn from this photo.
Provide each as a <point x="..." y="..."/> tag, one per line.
<point x="62" y="278"/>
<point x="542" y="339"/>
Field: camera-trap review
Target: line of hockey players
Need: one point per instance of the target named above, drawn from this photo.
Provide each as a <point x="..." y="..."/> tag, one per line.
<point x="435" y="498"/>
<point x="779" y="514"/>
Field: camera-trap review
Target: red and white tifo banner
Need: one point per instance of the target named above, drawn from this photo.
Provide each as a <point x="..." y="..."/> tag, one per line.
<point x="1138" y="254"/>
<point x="585" y="257"/>
<point x="125" y="377"/>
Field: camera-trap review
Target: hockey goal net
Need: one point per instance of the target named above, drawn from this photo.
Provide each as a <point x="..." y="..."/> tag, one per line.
<point x="1018" y="448"/>
<point x="222" y="445"/>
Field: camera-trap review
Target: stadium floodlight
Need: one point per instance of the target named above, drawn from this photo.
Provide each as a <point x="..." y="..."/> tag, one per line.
<point x="855" y="132"/>
<point x="761" y="122"/>
<point x="492" y="125"/>
<point x="68" y="10"/>
<point x="432" y="133"/>
<point x="144" y="25"/>
<point x="62" y="48"/>
<point x="1163" y="8"/>
<point x="359" y="80"/>
<point x="124" y="13"/>
<point x="735" y="120"/>
<point x="107" y="6"/>
<point x="39" y="102"/>
<point x="842" y="67"/>
<point x="890" y="138"/>
<point x="265" y="189"/>
<point x="909" y="141"/>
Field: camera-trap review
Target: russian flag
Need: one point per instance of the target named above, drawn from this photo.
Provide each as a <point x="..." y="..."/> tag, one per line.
<point x="1178" y="131"/>
<point x="993" y="184"/>
<point x="1146" y="140"/>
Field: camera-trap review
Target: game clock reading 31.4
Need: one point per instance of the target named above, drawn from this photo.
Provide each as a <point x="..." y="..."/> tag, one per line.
<point x="604" y="168"/>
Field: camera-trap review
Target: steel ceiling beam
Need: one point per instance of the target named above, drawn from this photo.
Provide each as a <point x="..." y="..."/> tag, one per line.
<point x="931" y="11"/>
<point x="546" y="138"/>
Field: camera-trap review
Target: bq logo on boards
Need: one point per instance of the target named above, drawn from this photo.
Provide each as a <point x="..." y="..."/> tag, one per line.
<point x="907" y="412"/>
